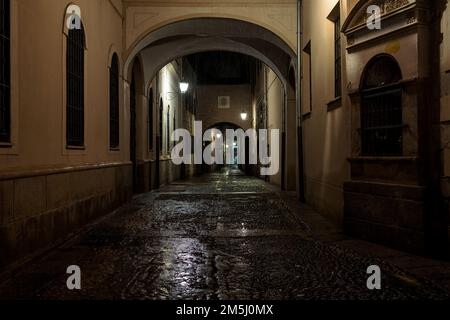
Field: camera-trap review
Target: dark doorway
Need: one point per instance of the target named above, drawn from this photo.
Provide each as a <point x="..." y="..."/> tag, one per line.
<point x="150" y="119"/>
<point x="293" y="94"/>
<point x="159" y="143"/>
<point x="150" y="129"/>
<point x="133" y="130"/>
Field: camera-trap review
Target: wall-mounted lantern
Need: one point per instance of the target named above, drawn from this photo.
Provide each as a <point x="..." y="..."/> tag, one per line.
<point x="184" y="87"/>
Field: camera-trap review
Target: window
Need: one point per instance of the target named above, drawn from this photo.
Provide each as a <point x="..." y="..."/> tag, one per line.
<point x="224" y="102"/>
<point x="75" y="87"/>
<point x="381" y="108"/>
<point x="337" y="58"/>
<point x="335" y="17"/>
<point x="114" y="125"/>
<point x="150" y="120"/>
<point x="5" y="72"/>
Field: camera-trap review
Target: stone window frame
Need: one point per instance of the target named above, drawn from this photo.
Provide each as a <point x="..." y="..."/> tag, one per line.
<point x="5" y="80"/>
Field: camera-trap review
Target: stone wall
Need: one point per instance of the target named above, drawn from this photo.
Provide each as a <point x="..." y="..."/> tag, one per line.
<point x="326" y="120"/>
<point x="389" y="214"/>
<point x="392" y="199"/>
<point x="39" y="208"/>
<point x="48" y="190"/>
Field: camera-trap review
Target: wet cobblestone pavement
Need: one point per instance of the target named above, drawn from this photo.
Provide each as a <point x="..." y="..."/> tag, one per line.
<point x="221" y="236"/>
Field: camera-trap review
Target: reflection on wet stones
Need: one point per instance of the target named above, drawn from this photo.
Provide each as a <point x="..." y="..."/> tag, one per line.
<point x="218" y="237"/>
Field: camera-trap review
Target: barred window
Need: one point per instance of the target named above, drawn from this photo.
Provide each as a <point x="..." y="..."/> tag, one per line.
<point x="337" y="57"/>
<point x="381" y="108"/>
<point x="75" y="87"/>
<point x="114" y="125"/>
<point x="5" y="72"/>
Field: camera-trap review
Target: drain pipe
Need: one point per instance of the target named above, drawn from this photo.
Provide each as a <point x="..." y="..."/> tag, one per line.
<point x="300" y="135"/>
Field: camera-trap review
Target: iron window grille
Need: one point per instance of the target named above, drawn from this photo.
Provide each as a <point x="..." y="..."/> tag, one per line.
<point x="5" y="72"/>
<point x="381" y="109"/>
<point x="338" y="59"/>
<point x="75" y="87"/>
<point x="114" y="122"/>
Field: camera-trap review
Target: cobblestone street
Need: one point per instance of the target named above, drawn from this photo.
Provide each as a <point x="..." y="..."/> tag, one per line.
<point x="220" y="236"/>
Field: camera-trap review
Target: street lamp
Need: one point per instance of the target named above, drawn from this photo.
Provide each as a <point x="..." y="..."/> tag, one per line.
<point x="244" y="116"/>
<point x="184" y="87"/>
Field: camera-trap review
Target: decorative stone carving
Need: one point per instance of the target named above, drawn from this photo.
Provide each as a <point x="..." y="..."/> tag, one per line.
<point x="411" y="19"/>
<point x="350" y="41"/>
<point x="391" y="5"/>
<point x="386" y="6"/>
<point x="396" y="15"/>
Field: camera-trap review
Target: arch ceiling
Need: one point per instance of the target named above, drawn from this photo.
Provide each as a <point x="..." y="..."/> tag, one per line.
<point x="206" y="34"/>
<point x="145" y="16"/>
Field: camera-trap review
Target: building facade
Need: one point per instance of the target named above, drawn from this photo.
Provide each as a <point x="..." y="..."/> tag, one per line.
<point x="374" y="127"/>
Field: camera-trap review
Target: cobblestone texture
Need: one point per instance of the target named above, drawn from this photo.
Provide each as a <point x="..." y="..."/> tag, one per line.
<point x="222" y="236"/>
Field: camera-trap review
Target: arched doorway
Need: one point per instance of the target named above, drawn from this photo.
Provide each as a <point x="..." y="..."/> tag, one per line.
<point x="175" y="40"/>
<point x="189" y="36"/>
<point x="223" y="127"/>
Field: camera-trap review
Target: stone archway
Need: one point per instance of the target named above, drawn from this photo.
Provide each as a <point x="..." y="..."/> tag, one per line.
<point x="145" y="17"/>
<point x="195" y="35"/>
<point x="185" y="37"/>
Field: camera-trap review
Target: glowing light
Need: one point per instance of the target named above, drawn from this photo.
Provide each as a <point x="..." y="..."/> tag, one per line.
<point x="184" y="87"/>
<point x="244" y="116"/>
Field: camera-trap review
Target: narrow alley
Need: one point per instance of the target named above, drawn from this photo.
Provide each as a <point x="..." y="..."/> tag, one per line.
<point x="218" y="236"/>
<point x="215" y="151"/>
